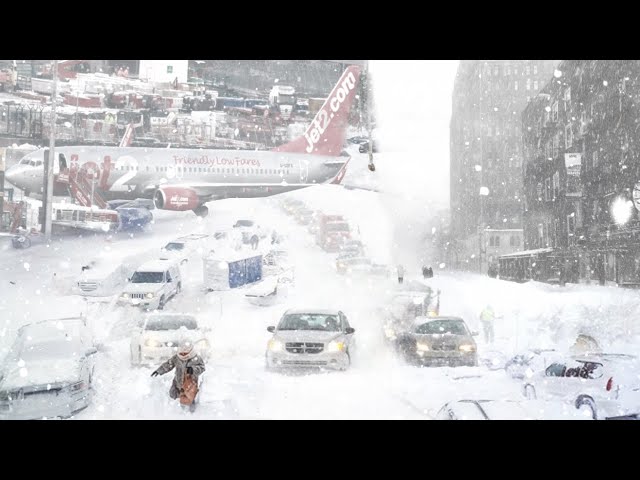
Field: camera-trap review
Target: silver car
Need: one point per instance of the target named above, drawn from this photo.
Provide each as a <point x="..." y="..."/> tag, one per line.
<point x="48" y="372"/>
<point x="311" y="338"/>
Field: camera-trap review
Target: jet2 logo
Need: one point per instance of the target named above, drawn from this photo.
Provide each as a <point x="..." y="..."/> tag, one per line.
<point x="323" y="118"/>
<point x="178" y="201"/>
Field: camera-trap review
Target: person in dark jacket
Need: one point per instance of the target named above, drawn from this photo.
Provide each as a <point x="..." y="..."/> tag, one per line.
<point x="185" y="362"/>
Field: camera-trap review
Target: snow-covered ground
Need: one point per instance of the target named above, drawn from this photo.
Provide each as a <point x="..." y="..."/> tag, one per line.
<point x="389" y="210"/>
<point x="36" y="285"/>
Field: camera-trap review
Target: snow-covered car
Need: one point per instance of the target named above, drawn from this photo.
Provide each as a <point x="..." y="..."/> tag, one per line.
<point x="183" y="248"/>
<point x="152" y="285"/>
<point x="350" y="251"/>
<point x="527" y="363"/>
<point x="48" y="372"/>
<point x="606" y="385"/>
<point x="268" y="291"/>
<point x="102" y="278"/>
<point x="161" y="334"/>
<point x="439" y="341"/>
<point x="508" y="410"/>
<point x="353" y="265"/>
<point x="311" y="338"/>
<point x="289" y="205"/>
<point x="250" y="231"/>
<point x="304" y="216"/>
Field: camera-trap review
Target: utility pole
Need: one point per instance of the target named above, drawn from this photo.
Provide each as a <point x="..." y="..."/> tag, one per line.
<point x="372" y="166"/>
<point x="47" y="203"/>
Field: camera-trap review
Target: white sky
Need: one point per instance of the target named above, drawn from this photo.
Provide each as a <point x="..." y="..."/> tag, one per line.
<point x="413" y="100"/>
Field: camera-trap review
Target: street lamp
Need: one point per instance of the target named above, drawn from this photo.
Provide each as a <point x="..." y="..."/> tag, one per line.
<point x="621" y="210"/>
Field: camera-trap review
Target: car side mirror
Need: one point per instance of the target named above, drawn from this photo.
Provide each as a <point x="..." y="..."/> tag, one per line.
<point x="91" y="351"/>
<point x="350" y="330"/>
<point x="271" y="329"/>
<point x="128" y="279"/>
<point x="168" y="280"/>
<point x="475" y="334"/>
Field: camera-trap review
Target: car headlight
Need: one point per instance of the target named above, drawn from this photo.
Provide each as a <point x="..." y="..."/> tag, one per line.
<point x="149" y="295"/>
<point x="388" y="331"/>
<point x="152" y="343"/>
<point x="125" y="295"/>
<point x="275" y="345"/>
<point x="335" y="346"/>
<point x="467" y="347"/>
<point x="432" y="313"/>
<point x="422" y="347"/>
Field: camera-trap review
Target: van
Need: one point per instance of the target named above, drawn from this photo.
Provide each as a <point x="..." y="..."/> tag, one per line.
<point x="152" y="285"/>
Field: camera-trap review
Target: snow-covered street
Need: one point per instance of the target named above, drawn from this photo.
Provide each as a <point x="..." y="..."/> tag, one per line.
<point x="236" y="385"/>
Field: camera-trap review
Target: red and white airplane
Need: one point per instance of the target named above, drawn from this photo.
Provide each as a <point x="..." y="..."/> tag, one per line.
<point x="186" y="179"/>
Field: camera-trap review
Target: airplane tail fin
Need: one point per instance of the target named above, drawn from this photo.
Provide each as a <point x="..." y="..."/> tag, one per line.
<point x="326" y="133"/>
<point x="127" y="138"/>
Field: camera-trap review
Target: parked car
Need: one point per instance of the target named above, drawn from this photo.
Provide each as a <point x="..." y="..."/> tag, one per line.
<point x="402" y="310"/>
<point x="160" y="335"/>
<point x="289" y="205"/>
<point x="183" y="248"/>
<point x="607" y="385"/>
<point x="439" y="341"/>
<point x="311" y="338"/>
<point x="508" y="410"/>
<point x="48" y="372"/>
<point x="152" y="285"/>
<point x="250" y="231"/>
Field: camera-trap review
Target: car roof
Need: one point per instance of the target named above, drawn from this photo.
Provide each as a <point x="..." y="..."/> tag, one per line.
<point x="156" y="266"/>
<point x="422" y="320"/>
<point x="311" y="311"/>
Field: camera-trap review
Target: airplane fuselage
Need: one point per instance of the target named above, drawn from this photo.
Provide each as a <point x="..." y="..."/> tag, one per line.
<point x="134" y="172"/>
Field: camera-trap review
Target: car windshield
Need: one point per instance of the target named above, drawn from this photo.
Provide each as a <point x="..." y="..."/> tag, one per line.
<point x="449" y="327"/>
<point x="310" y="321"/>
<point x="244" y="223"/>
<point x="147" y="277"/>
<point x="173" y="322"/>
<point x="174" y="246"/>
<point x="337" y="227"/>
<point x="53" y="349"/>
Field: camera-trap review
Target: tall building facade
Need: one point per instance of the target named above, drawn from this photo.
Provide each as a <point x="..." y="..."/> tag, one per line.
<point x="582" y="173"/>
<point x="486" y="188"/>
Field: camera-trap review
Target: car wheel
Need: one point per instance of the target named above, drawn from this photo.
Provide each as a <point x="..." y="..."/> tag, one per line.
<point x="161" y="303"/>
<point x="588" y="402"/>
<point x="530" y="392"/>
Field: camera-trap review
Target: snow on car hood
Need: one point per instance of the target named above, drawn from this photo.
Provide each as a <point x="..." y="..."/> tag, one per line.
<point x="306" y="335"/>
<point x="174" y="336"/>
<point x="40" y="372"/>
<point x="143" y="287"/>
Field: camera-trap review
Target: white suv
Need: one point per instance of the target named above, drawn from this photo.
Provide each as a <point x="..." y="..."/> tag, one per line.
<point x="184" y="247"/>
<point x="152" y="285"/>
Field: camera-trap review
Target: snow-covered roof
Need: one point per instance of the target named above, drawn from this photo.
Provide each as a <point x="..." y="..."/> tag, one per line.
<point x="527" y="253"/>
<point x="311" y="311"/>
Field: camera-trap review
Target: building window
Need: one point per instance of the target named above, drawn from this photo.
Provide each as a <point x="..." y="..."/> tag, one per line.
<point x="535" y="69"/>
<point x="571" y="225"/>
<point x="547" y="189"/>
<point x="528" y="84"/>
<point x="528" y="70"/>
<point x="554" y="112"/>
<point x="492" y="242"/>
<point x="539" y="191"/>
<point x="507" y="70"/>
<point x="169" y="69"/>
<point x="514" y="241"/>
<point x="568" y="136"/>
<point x="535" y="84"/>
<point x="556" y="184"/>
<point x="497" y="241"/>
<point x="556" y="144"/>
<point x="595" y="158"/>
<point x="515" y="85"/>
<point x="567" y="94"/>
